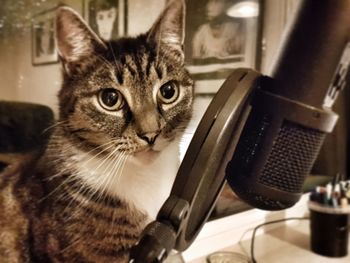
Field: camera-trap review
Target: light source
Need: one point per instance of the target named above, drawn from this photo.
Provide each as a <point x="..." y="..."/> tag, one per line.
<point x="247" y="8"/>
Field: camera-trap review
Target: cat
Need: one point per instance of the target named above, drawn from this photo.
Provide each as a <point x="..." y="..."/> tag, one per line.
<point x="113" y="154"/>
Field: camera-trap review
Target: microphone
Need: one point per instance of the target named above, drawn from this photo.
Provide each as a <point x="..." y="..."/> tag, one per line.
<point x="291" y="113"/>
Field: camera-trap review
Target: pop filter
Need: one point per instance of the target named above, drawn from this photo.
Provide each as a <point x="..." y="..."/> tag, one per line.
<point x="202" y="172"/>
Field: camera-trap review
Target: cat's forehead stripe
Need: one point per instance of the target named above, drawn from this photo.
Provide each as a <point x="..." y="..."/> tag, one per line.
<point x="148" y="67"/>
<point x="139" y="64"/>
<point x="131" y="70"/>
<point x="119" y="76"/>
<point x="113" y="76"/>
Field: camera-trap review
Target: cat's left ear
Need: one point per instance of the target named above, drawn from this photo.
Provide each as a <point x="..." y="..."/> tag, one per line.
<point x="75" y="40"/>
<point x="169" y="29"/>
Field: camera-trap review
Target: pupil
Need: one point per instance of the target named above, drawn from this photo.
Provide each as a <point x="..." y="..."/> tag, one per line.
<point x="109" y="98"/>
<point x="167" y="92"/>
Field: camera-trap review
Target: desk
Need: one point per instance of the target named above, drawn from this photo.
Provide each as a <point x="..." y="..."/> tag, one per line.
<point x="288" y="244"/>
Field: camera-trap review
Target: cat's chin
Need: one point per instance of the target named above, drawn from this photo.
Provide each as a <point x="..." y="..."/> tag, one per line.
<point x="147" y="156"/>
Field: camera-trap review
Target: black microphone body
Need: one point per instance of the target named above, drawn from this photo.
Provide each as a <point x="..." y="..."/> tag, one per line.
<point x="278" y="146"/>
<point x="291" y="112"/>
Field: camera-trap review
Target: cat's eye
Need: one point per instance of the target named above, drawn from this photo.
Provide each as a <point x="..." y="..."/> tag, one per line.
<point x="111" y="99"/>
<point x="169" y="92"/>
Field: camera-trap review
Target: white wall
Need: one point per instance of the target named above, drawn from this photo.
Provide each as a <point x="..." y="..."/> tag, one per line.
<point x="8" y="72"/>
<point x="19" y="79"/>
<point x="142" y="14"/>
<point x="38" y="84"/>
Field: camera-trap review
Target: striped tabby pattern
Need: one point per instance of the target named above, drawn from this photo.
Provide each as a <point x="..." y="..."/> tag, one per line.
<point x="113" y="154"/>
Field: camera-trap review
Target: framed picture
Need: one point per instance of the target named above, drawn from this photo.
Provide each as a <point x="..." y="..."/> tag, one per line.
<point x="44" y="50"/>
<point x="106" y="17"/>
<point x="221" y="35"/>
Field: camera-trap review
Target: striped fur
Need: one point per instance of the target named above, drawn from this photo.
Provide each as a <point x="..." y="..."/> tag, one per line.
<point x="99" y="181"/>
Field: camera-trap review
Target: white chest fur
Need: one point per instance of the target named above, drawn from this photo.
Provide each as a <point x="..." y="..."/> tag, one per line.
<point x="143" y="181"/>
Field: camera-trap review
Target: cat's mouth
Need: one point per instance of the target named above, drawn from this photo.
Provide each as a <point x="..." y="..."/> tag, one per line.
<point x="143" y="149"/>
<point x="152" y="150"/>
<point x="131" y="147"/>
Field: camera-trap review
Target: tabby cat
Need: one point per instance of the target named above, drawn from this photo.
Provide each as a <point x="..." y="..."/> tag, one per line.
<point x="113" y="155"/>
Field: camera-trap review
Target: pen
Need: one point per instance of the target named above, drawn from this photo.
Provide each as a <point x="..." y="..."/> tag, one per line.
<point x="335" y="181"/>
<point x="343" y="200"/>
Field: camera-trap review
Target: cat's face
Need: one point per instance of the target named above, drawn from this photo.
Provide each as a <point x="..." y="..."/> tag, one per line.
<point x="134" y="92"/>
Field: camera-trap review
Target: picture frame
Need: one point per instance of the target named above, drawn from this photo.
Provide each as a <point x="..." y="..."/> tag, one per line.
<point x="44" y="49"/>
<point x="107" y="18"/>
<point x="217" y="42"/>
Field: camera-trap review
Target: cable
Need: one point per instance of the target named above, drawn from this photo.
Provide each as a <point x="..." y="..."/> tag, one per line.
<point x="269" y="223"/>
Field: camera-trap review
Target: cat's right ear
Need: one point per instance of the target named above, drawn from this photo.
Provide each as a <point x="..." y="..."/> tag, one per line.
<point x="76" y="42"/>
<point x="169" y="29"/>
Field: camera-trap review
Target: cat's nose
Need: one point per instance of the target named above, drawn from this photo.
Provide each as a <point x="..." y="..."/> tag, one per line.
<point x="149" y="137"/>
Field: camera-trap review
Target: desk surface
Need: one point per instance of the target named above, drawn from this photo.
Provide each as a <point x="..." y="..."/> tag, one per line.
<point x="287" y="244"/>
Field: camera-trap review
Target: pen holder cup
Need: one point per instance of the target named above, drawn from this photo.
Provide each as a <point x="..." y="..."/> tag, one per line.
<point x="329" y="228"/>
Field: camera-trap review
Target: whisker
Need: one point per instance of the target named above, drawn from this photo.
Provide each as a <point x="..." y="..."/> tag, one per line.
<point x="111" y="175"/>
<point x="115" y="59"/>
<point x="107" y="175"/>
<point x="72" y="244"/>
<point x="105" y="61"/>
<point x="120" y="169"/>
<point x="53" y="126"/>
<point x="86" y="189"/>
<point x="65" y="181"/>
<point x="97" y="186"/>
<point x="70" y="165"/>
<point x="68" y="168"/>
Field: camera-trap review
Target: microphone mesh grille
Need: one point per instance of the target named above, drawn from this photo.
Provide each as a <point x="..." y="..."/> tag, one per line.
<point x="291" y="158"/>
